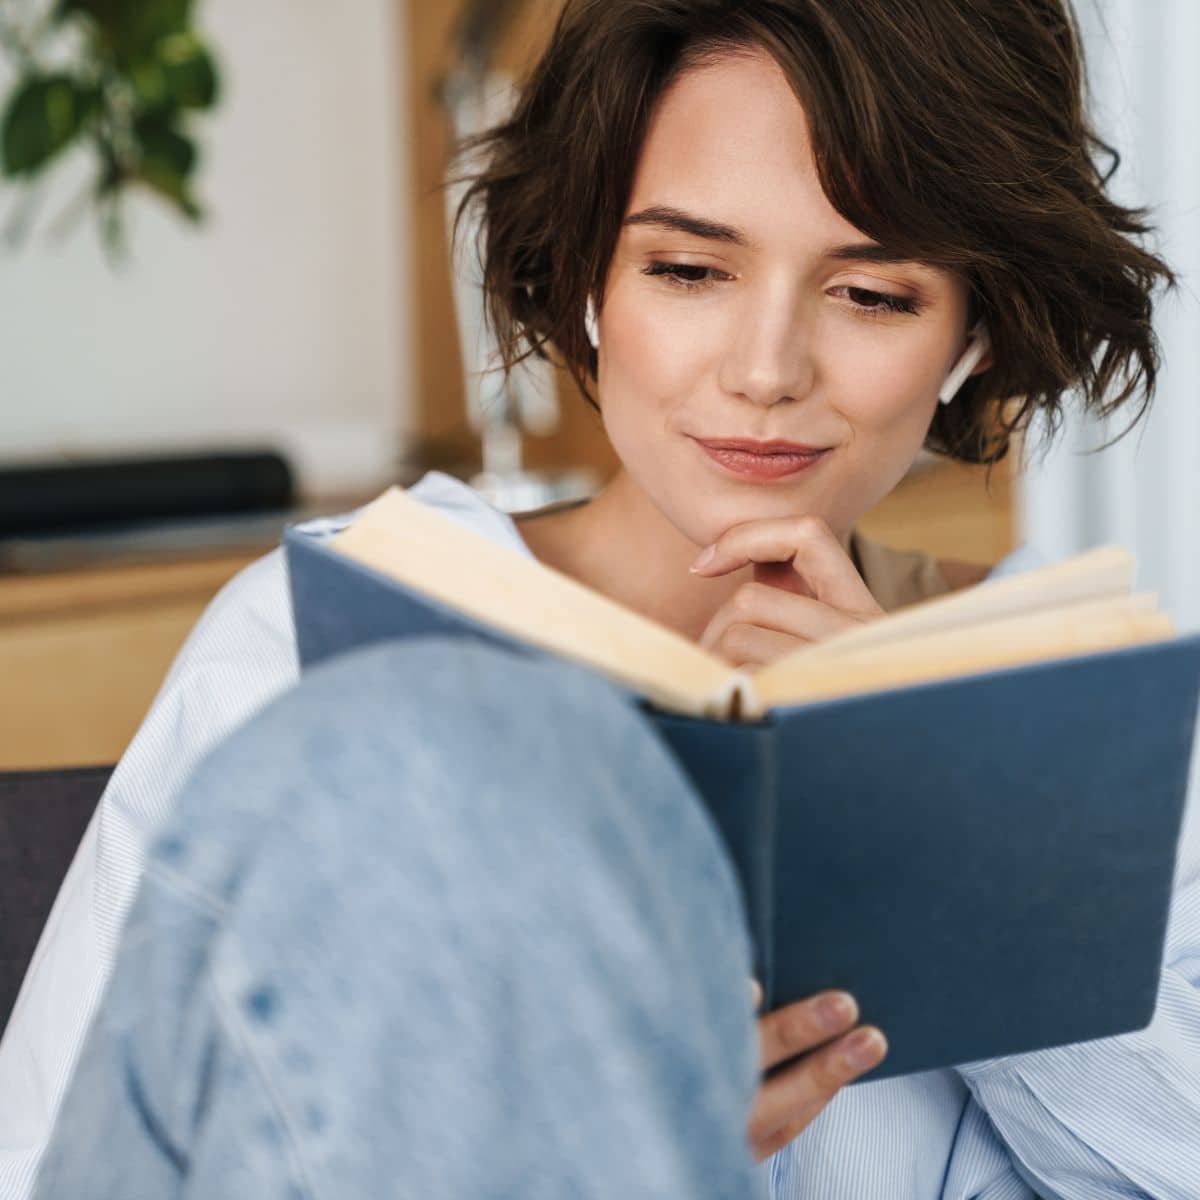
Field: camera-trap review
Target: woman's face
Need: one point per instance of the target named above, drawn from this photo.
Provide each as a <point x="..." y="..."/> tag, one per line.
<point x="777" y="337"/>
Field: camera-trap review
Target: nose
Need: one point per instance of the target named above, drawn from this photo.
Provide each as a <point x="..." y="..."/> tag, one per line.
<point x="768" y="358"/>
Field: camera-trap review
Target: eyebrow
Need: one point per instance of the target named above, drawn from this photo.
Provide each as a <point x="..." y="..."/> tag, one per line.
<point x="662" y="216"/>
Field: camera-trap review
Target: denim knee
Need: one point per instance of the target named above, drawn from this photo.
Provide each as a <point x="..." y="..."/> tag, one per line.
<point x="434" y="746"/>
<point x="489" y="862"/>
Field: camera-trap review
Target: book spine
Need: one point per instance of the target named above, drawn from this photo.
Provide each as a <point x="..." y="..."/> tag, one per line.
<point x="735" y="701"/>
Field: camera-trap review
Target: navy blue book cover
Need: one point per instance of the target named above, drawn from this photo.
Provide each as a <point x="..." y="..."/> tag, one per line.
<point x="986" y="862"/>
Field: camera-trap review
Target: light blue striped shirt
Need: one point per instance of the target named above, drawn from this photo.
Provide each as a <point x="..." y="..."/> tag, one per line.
<point x="1117" y="1118"/>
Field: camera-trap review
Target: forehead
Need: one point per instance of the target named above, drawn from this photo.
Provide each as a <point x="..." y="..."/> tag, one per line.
<point x="732" y="132"/>
<point x="730" y="141"/>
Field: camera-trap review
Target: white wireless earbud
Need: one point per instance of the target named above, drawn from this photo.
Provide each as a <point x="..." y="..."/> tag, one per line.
<point x="980" y="341"/>
<point x="589" y="323"/>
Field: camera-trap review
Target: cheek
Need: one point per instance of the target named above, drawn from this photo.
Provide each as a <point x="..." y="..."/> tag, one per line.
<point x="648" y="367"/>
<point x="886" y="406"/>
<point x="648" y="343"/>
<point x="889" y="393"/>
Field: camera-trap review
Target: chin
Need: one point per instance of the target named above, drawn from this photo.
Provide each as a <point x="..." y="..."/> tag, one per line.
<point x="710" y="508"/>
<point x="702" y="515"/>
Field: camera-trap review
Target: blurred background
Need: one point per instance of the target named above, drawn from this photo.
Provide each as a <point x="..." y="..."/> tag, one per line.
<point x="236" y="304"/>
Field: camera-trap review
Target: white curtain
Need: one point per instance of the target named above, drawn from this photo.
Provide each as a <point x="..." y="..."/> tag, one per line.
<point x="1144" y="491"/>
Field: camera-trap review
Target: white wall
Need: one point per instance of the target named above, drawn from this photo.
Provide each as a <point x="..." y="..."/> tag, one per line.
<point x="285" y="316"/>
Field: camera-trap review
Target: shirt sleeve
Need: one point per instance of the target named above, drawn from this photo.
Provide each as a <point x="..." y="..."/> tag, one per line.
<point x="1116" y="1117"/>
<point x="240" y="654"/>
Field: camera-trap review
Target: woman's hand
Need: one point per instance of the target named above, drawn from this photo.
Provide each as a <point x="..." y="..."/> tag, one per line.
<point x="805" y="589"/>
<point x="820" y="1028"/>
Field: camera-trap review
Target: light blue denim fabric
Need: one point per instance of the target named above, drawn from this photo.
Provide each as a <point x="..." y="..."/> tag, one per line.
<point x="441" y="921"/>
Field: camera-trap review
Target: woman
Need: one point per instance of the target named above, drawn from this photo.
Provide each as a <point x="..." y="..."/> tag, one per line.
<point x="788" y="219"/>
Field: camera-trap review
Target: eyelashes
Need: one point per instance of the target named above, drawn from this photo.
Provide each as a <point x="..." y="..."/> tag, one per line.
<point x="675" y="274"/>
<point x="878" y="304"/>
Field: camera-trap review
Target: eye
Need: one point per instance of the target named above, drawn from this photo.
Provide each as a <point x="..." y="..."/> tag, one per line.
<point x="677" y="274"/>
<point x="880" y="304"/>
<point x="871" y="304"/>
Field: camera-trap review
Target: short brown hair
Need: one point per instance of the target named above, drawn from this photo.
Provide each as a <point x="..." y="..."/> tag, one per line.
<point x="955" y="132"/>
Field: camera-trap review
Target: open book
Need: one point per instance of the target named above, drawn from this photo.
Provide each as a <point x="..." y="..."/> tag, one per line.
<point x="1078" y="606"/>
<point x="965" y="812"/>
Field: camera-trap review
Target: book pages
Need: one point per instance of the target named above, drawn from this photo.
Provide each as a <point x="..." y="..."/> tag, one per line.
<point x="1098" y="574"/>
<point x="1007" y="643"/>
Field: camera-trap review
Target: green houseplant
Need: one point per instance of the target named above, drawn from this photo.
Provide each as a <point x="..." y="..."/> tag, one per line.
<point x="122" y="76"/>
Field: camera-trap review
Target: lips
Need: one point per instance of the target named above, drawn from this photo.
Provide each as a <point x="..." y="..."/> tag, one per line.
<point x="757" y="464"/>
<point x="747" y="446"/>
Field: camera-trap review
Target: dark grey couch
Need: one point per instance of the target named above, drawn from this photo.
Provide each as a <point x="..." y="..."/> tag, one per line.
<point x="42" y="817"/>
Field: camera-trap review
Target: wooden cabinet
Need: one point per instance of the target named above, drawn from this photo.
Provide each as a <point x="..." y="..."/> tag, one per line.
<point x="950" y="510"/>
<point x="83" y="652"/>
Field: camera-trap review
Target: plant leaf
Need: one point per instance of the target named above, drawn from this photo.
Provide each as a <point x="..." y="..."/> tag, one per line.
<point x="174" y="190"/>
<point x="42" y="118"/>
<point x="144" y="23"/>
<point x="103" y="12"/>
<point x="161" y="141"/>
<point x="167" y="159"/>
<point x="189" y="73"/>
<point x="149" y="85"/>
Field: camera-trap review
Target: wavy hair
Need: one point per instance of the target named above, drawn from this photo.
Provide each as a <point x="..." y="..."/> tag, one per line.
<point x="954" y="130"/>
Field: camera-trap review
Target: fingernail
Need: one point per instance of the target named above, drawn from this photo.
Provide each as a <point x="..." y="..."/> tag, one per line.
<point x="704" y="558"/>
<point x="837" y="1010"/>
<point x="864" y="1049"/>
<point x="756" y="992"/>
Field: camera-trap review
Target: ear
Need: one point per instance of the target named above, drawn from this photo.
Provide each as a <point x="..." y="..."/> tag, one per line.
<point x="984" y="363"/>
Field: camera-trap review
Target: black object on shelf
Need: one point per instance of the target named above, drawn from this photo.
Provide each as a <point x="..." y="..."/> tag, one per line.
<point x="67" y="496"/>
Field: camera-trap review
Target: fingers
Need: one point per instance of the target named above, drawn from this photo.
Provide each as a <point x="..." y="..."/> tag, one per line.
<point x="747" y="645"/>
<point x="809" y="545"/>
<point x="802" y="1026"/>
<point x="805" y="589"/>
<point x="790" y="1100"/>
<point x="756" y="993"/>
<point x="763" y="607"/>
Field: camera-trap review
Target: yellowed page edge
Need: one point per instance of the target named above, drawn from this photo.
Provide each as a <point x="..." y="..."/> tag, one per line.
<point x="884" y="668"/>
<point x="1106" y="571"/>
<point x="938" y="641"/>
<point x="435" y="554"/>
